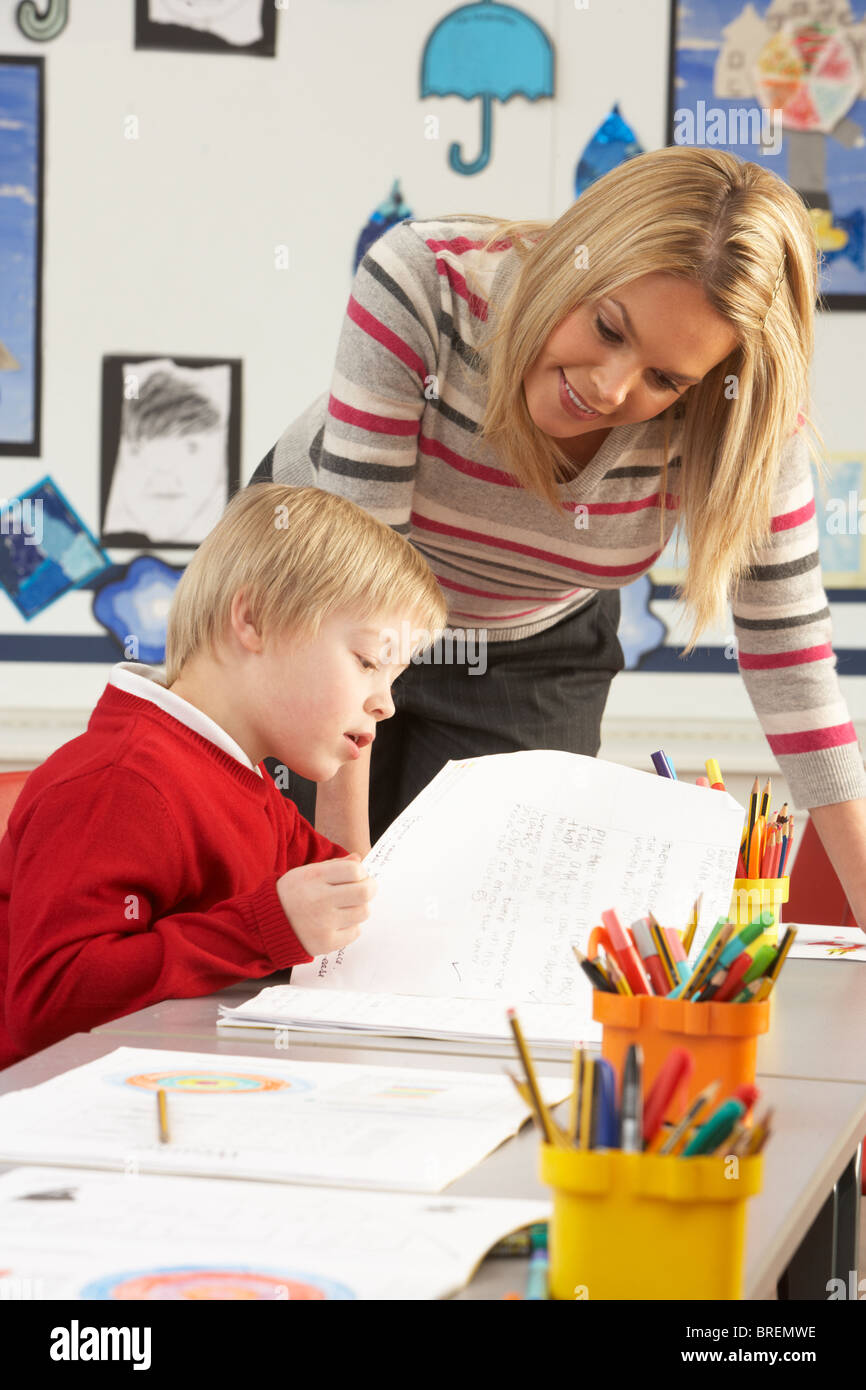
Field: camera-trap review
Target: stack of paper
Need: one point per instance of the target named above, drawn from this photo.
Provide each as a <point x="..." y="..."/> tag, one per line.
<point x="92" y="1235"/>
<point x="489" y="877"/>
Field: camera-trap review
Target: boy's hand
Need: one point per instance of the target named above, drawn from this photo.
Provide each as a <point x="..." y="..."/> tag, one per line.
<point x="327" y="902"/>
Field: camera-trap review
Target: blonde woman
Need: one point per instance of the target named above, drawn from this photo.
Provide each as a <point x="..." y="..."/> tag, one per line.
<point x="535" y="405"/>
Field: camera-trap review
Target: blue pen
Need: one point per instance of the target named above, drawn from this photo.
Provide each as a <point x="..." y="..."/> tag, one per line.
<point x="536" y="1280"/>
<point x="605" y="1131"/>
<point x="663" y="765"/>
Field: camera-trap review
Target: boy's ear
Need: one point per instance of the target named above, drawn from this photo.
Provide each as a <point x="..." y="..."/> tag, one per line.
<point x="242" y="623"/>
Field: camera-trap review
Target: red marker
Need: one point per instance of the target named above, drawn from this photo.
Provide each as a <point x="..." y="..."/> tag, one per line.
<point x="731" y="983"/>
<point x="676" y="1071"/>
<point x="747" y="1093"/>
<point x="649" y="954"/>
<point x="624" y="953"/>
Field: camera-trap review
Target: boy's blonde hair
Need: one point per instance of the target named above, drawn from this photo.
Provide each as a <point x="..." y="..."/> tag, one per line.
<point x="706" y="217"/>
<point x="299" y="554"/>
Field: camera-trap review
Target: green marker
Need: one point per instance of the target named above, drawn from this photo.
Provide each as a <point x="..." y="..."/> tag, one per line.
<point x="716" y="1130"/>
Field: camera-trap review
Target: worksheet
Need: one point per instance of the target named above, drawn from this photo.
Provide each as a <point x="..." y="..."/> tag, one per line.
<point x="78" y="1234"/>
<point x="397" y="1128"/>
<point x="502" y="864"/>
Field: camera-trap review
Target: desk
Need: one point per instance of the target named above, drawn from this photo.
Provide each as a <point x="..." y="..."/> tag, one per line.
<point x="818" y="1126"/>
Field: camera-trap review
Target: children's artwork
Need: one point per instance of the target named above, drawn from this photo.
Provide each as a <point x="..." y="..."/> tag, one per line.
<point x="783" y="84"/>
<point x="640" y="631"/>
<point x="613" y="143"/>
<point x="211" y="1083"/>
<point x="170" y="448"/>
<point x="21" y="179"/>
<point x="45" y="548"/>
<point x="841" y="518"/>
<point x="208" y="26"/>
<point x="44" y="22"/>
<point x="134" y="608"/>
<point x="387" y="214"/>
<point x="827" y="943"/>
<point x="393" y="1128"/>
<point x="130" y="1235"/>
<point x="491" y="51"/>
<point x="203" y="1282"/>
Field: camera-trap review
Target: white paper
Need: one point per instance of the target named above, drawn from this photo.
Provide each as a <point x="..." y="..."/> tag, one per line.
<point x="395" y="1015"/>
<point x="814" y="942"/>
<point x="80" y="1234"/>
<point x="398" y="1128"/>
<point x="503" y="863"/>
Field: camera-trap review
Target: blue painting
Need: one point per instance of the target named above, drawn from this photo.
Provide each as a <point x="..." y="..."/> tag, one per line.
<point x="387" y="214"/>
<point x="782" y="84"/>
<point x="134" y="608"/>
<point x="613" y="143"/>
<point x="490" y="52"/>
<point x="45" y="548"/>
<point x="21" y="110"/>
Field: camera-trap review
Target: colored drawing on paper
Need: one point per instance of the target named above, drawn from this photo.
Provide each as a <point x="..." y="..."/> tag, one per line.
<point x="213" y="1083"/>
<point x="200" y="1282"/>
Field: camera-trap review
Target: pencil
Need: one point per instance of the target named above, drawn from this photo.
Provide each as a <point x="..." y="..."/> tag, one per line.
<point x="753" y="811"/>
<point x="765" y="799"/>
<point x="538" y="1104"/>
<point x="693" y="925"/>
<point x="162" y="1116"/>
<point x="680" y="1130"/>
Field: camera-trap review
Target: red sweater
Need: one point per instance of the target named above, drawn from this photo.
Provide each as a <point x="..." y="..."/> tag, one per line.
<point x="140" y="864"/>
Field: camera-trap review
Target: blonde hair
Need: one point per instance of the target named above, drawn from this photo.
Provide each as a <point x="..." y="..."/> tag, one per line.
<point x="745" y="236"/>
<point x="299" y="554"/>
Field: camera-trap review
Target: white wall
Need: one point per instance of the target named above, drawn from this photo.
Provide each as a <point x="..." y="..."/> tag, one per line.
<point x="166" y="244"/>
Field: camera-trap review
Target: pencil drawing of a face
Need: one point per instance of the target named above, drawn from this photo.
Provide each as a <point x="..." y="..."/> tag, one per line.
<point x="170" y="480"/>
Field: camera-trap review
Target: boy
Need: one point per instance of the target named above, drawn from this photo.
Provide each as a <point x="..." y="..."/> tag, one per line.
<point x="149" y="858"/>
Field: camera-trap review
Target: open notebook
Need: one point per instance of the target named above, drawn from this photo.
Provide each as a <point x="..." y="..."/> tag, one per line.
<point x="486" y="881"/>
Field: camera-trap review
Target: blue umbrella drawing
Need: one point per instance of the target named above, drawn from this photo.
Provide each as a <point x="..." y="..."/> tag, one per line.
<point x="486" y="50"/>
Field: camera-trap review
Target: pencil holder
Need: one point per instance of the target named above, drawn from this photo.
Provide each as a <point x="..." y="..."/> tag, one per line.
<point x="722" y="1038"/>
<point x="646" y="1226"/>
<point x="759" y="898"/>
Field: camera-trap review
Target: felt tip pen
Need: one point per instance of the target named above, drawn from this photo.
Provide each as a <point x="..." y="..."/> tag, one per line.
<point x="605" y="1127"/>
<point x="627" y="957"/>
<point x="714" y="773"/>
<point x="536" y="1279"/>
<point x="662" y="765"/>
<point x="675" y="1072"/>
<point x="631" y="1119"/>
<point x="716" y="1129"/>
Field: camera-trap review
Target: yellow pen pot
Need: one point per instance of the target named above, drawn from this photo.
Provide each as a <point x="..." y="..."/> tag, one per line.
<point x="646" y="1226"/>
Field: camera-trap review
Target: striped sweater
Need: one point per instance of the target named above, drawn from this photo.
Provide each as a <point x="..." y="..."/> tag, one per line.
<point x="396" y="433"/>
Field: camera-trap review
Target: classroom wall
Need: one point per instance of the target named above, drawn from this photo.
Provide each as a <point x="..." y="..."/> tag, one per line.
<point x="166" y="244"/>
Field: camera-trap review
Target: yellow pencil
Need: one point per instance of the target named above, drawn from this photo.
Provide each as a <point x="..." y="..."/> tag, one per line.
<point x="621" y="983"/>
<point x="546" y="1123"/>
<point x="576" y="1069"/>
<point x="773" y="973"/>
<point x="584" y="1138"/>
<point x="689" y="935"/>
<point x="162" y="1116"/>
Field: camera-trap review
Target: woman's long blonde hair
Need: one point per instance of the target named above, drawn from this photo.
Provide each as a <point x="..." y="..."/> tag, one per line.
<point x="745" y="235"/>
